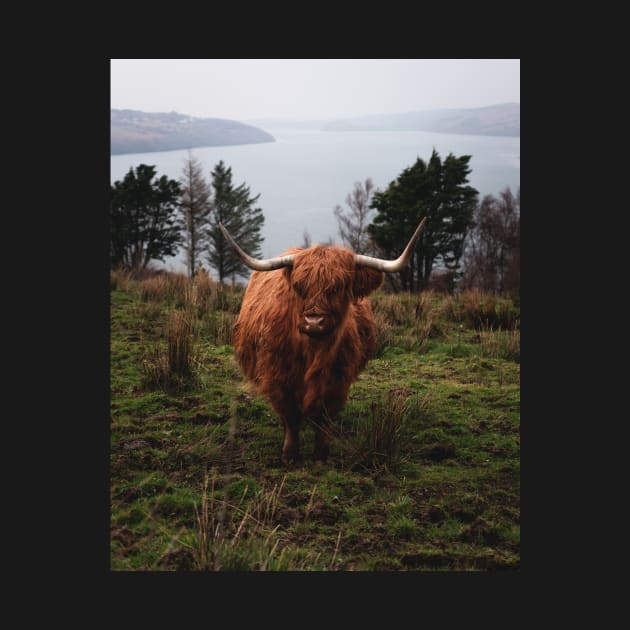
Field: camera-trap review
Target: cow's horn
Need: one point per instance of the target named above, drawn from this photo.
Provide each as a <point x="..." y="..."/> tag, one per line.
<point x="391" y="265"/>
<point x="268" y="264"/>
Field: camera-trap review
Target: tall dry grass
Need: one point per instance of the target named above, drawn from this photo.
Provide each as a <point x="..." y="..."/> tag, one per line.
<point x="172" y="364"/>
<point x="244" y="535"/>
<point x="172" y="288"/>
<point x="407" y="320"/>
<point x="121" y="279"/>
<point x="500" y="344"/>
<point x="214" y="306"/>
<point x="478" y="309"/>
<point x="376" y="437"/>
<point x="217" y="327"/>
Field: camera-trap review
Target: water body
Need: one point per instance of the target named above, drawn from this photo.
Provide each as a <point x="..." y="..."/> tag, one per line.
<point x="305" y="173"/>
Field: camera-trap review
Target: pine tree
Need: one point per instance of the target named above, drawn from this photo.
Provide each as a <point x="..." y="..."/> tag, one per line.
<point x="143" y="218"/>
<point x="436" y="190"/>
<point x="195" y="207"/>
<point x="234" y="207"/>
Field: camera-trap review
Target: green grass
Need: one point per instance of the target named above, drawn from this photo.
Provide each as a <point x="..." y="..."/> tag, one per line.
<point x="424" y="471"/>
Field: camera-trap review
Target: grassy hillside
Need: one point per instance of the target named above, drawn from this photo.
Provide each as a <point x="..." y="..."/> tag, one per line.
<point x="424" y="471"/>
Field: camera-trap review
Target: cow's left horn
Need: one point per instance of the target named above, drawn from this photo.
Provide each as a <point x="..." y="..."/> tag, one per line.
<point x="268" y="264"/>
<point x="390" y="266"/>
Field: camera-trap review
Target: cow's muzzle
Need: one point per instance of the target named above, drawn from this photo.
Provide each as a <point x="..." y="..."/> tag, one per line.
<point x="315" y="324"/>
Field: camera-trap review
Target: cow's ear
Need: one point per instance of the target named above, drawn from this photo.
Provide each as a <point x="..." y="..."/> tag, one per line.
<point x="366" y="280"/>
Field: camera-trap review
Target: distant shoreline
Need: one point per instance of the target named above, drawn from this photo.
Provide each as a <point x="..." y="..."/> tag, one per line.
<point x="492" y="120"/>
<point x="134" y="131"/>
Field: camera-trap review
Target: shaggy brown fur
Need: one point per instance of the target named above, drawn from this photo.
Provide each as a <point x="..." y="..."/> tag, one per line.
<point x="307" y="375"/>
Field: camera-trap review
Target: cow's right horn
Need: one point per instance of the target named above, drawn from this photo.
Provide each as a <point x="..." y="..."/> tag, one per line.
<point x="391" y="265"/>
<point x="268" y="264"/>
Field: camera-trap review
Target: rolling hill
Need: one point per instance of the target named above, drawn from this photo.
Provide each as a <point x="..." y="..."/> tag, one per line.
<point x="135" y="131"/>
<point x="493" y="120"/>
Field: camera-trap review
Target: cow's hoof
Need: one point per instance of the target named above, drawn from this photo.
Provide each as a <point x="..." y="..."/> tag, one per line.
<point x="291" y="459"/>
<point x="321" y="453"/>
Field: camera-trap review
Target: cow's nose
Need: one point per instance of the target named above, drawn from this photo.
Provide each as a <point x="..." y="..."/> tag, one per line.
<point x="313" y="320"/>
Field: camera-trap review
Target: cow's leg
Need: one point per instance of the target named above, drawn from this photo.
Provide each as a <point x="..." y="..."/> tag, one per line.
<point x="289" y="416"/>
<point x="330" y="406"/>
<point x="323" y="430"/>
<point x="291" y="443"/>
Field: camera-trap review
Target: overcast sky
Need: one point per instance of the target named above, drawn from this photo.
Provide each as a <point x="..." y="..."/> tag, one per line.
<point x="242" y="89"/>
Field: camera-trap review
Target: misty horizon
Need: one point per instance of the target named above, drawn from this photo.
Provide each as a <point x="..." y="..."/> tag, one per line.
<point x="322" y="119"/>
<point x="410" y="111"/>
<point x="310" y="89"/>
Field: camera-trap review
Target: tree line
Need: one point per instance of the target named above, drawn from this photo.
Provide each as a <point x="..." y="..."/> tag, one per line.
<point x="154" y="217"/>
<point x="466" y="242"/>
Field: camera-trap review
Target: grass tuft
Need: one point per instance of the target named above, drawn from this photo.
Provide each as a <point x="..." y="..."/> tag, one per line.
<point x="478" y="309"/>
<point x="172" y="366"/>
<point x="244" y="536"/>
<point x="500" y="344"/>
<point x="376" y="439"/>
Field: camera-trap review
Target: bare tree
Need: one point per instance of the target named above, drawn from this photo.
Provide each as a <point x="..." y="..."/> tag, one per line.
<point x="492" y="250"/>
<point x="353" y="223"/>
<point x="307" y="240"/>
<point x="195" y="207"/>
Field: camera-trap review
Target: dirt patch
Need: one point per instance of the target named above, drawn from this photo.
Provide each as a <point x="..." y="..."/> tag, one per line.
<point x="481" y="531"/>
<point x="188" y="402"/>
<point x="431" y="559"/>
<point x="123" y="535"/>
<point x="494" y="562"/>
<point x="464" y="515"/>
<point x="204" y="418"/>
<point x="167" y="417"/>
<point x="288" y="516"/>
<point x="143" y="442"/>
<point x="431" y="514"/>
<point x="405" y="392"/>
<point x="131" y="495"/>
<point x="133" y="444"/>
<point x="326" y="514"/>
<point x="179" y="559"/>
<point x="438" y="452"/>
<point x="386" y="565"/>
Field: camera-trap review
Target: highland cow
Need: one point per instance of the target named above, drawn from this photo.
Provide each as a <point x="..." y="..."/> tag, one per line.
<point x="305" y="331"/>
